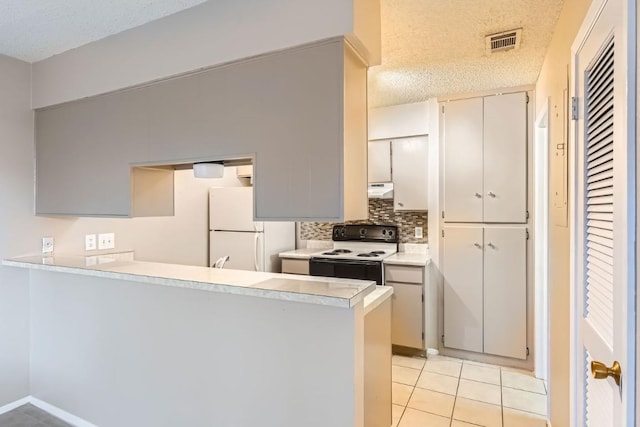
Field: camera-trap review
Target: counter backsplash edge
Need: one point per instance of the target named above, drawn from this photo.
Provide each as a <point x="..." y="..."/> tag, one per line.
<point x="380" y="212"/>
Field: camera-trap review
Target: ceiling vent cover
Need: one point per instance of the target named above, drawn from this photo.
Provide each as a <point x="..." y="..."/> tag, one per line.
<point x="503" y="41"/>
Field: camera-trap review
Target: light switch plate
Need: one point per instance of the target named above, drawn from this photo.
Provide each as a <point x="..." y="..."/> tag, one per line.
<point x="47" y="245"/>
<point x="106" y="241"/>
<point x="418" y="232"/>
<point x="90" y="243"/>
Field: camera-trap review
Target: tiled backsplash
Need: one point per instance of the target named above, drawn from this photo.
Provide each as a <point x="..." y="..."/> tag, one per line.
<point x="380" y="212"/>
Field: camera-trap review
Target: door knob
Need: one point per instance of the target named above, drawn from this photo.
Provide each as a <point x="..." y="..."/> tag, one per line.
<point x="601" y="371"/>
<point x="492" y="194"/>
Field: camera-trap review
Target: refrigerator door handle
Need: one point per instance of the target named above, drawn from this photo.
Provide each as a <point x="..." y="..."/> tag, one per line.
<point x="255" y="251"/>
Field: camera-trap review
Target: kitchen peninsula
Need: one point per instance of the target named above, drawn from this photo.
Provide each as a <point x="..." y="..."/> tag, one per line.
<point x="117" y="342"/>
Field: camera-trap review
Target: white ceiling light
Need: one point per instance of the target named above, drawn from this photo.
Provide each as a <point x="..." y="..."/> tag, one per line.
<point x="208" y="170"/>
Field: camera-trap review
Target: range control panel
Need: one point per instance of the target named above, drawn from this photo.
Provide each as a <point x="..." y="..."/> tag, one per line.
<point x="365" y="233"/>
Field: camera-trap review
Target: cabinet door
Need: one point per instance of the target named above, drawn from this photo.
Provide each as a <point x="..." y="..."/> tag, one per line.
<point x="505" y="158"/>
<point x="463" y="311"/>
<point x="379" y="161"/>
<point x="409" y="157"/>
<point x="505" y="291"/>
<point x="407" y="315"/>
<point x="463" y="192"/>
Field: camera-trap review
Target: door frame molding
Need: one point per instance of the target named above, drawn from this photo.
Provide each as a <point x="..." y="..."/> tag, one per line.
<point x="540" y="226"/>
<point x="629" y="32"/>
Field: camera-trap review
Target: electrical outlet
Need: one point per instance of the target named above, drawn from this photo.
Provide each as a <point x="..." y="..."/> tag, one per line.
<point x="90" y="243"/>
<point x="418" y="232"/>
<point x="106" y="241"/>
<point x="47" y="245"/>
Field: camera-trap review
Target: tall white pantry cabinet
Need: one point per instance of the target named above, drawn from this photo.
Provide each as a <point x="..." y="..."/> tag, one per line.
<point x="484" y="233"/>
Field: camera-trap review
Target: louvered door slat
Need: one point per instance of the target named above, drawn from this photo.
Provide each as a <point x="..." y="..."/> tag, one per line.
<point x="600" y="232"/>
<point x="602" y="264"/>
<point x="599" y="200"/>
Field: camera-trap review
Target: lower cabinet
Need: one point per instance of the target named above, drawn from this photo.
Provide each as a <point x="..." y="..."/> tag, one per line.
<point x="407" y="319"/>
<point x="485" y="289"/>
<point x="295" y="266"/>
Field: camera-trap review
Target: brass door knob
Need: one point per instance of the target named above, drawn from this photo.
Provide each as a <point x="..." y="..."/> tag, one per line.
<point x="601" y="371"/>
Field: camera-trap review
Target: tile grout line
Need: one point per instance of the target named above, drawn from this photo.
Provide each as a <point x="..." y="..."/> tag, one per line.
<point x="455" y="397"/>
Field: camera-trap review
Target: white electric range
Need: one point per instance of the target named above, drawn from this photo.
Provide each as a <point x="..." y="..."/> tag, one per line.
<point x="358" y="251"/>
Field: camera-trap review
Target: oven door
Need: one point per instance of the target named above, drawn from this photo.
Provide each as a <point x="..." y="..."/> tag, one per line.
<point x="346" y="269"/>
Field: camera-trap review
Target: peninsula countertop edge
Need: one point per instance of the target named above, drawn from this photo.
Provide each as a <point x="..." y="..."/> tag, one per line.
<point x="344" y="293"/>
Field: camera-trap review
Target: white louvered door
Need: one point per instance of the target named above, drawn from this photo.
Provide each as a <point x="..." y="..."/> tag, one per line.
<point x="603" y="258"/>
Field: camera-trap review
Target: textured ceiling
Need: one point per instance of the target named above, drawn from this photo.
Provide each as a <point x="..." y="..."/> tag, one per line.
<point x="434" y="48"/>
<point x="32" y="30"/>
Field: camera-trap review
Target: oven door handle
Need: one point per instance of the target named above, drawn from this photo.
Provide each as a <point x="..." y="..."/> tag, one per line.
<point x="343" y="261"/>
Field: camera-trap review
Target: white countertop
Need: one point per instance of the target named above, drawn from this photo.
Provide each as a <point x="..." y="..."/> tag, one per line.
<point x="408" y="258"/>
<point x="314" y="290"/>
<point x="305" y="253"/>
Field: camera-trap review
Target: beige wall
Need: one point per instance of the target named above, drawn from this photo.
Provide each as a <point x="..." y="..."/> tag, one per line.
<point x="551" y="84"/>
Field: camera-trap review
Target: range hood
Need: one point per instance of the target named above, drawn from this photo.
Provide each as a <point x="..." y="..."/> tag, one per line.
<point x="381" y="190"/>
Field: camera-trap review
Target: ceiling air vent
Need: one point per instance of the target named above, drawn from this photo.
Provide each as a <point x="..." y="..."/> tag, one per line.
<point x="503" y="41"/>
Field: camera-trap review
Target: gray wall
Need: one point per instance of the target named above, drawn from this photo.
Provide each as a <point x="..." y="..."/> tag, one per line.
<point x="19" y="229"/>
<point x="119" y="353"/>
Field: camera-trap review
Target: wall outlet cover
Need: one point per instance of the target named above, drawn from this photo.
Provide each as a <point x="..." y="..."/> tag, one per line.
<point x="106" y="240"/>
<point x="47" y="245"/>
<point x="418" y="232"/>
<point x="90" y="242"/>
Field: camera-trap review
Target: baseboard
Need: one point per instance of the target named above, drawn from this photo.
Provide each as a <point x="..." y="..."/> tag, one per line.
<point x="13" y="405"/>
<point x="57" y="412"/>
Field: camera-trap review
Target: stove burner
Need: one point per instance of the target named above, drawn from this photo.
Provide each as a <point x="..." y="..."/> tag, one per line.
<point x="342" y="251"/>
<point x="378" y="252"/>
<point x="369" y="254"/>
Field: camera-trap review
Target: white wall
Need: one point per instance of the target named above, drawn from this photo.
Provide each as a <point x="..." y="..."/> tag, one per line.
<point x="212" y="33"/>
<point x="127" y="354"/>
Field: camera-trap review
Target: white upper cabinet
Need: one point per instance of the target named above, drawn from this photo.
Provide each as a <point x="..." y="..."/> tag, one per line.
<point x="399" y="121"/>
<point x="463" y="191"/>
<point x="505" y="158"/>
<point x="379" y="161"/>
<point x="485" y="159"/>
<point x="409" y="158"/>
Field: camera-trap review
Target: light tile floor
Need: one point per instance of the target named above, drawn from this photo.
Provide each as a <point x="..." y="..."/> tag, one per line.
<point x="447" y="392"/>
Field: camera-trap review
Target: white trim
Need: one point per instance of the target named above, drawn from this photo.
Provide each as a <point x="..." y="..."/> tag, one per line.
<point x="13" y="405"/>
<point x="628" y="28"/>
<point x="48" y="408"/>
<point x="62" y="414"/>
<point x="583" y="32"/>
<point x="542" y="138"/>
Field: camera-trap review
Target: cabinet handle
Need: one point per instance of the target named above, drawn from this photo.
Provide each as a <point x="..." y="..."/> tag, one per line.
<point x="492" y="194"/>
<point x="478" y="195"/>
<point x="400" y="204"/>
<point x="491" y="245"/>
<point x="477" y="245"/>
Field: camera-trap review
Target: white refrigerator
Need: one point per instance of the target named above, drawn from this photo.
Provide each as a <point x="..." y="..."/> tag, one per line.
<point x="250" y="245"/>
